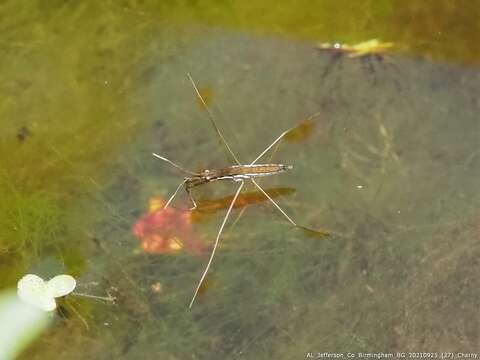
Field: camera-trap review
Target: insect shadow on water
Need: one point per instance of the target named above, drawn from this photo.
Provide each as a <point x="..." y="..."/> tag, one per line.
<point x="23" y="133"/>
<point x="238" y="173"/>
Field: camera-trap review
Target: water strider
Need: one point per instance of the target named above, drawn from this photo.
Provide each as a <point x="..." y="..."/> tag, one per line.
<point x="238" y="173"/>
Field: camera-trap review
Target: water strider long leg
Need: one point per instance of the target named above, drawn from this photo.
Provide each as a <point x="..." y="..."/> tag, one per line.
<point x="237" y="218"/>
<point x="280" y="138"/>
<point x="299" y="125"/>
<point x="216" y="244"/>
<point x="316" y="233"/>
<point x="272" y="144"/>
<point x="274" y="203"/>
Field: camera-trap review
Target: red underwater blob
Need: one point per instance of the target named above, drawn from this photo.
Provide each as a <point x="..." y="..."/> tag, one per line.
<point x="167" y="230"/>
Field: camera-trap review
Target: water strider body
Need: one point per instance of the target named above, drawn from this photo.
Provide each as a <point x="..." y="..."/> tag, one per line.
<point x="237" y="173"/>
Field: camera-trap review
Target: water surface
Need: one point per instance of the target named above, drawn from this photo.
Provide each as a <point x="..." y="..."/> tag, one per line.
<point x="390" y="168"/>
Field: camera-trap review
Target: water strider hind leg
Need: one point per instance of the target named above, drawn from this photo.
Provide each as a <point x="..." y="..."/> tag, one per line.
<point x="274" y="203"/>
<point x="306" y="230"/>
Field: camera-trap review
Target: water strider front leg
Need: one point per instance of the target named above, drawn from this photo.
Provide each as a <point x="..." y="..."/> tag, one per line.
<point x="188" y="186"/>
<point x="175" y="193"/>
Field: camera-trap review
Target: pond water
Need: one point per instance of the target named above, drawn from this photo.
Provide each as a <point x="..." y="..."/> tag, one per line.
<point x="387" y="161"/>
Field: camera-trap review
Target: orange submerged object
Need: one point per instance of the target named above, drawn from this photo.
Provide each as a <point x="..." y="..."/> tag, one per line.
<point x="163" y="231"/>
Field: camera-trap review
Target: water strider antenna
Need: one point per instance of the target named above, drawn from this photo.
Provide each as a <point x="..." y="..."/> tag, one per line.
<point x="176" y="165"/>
